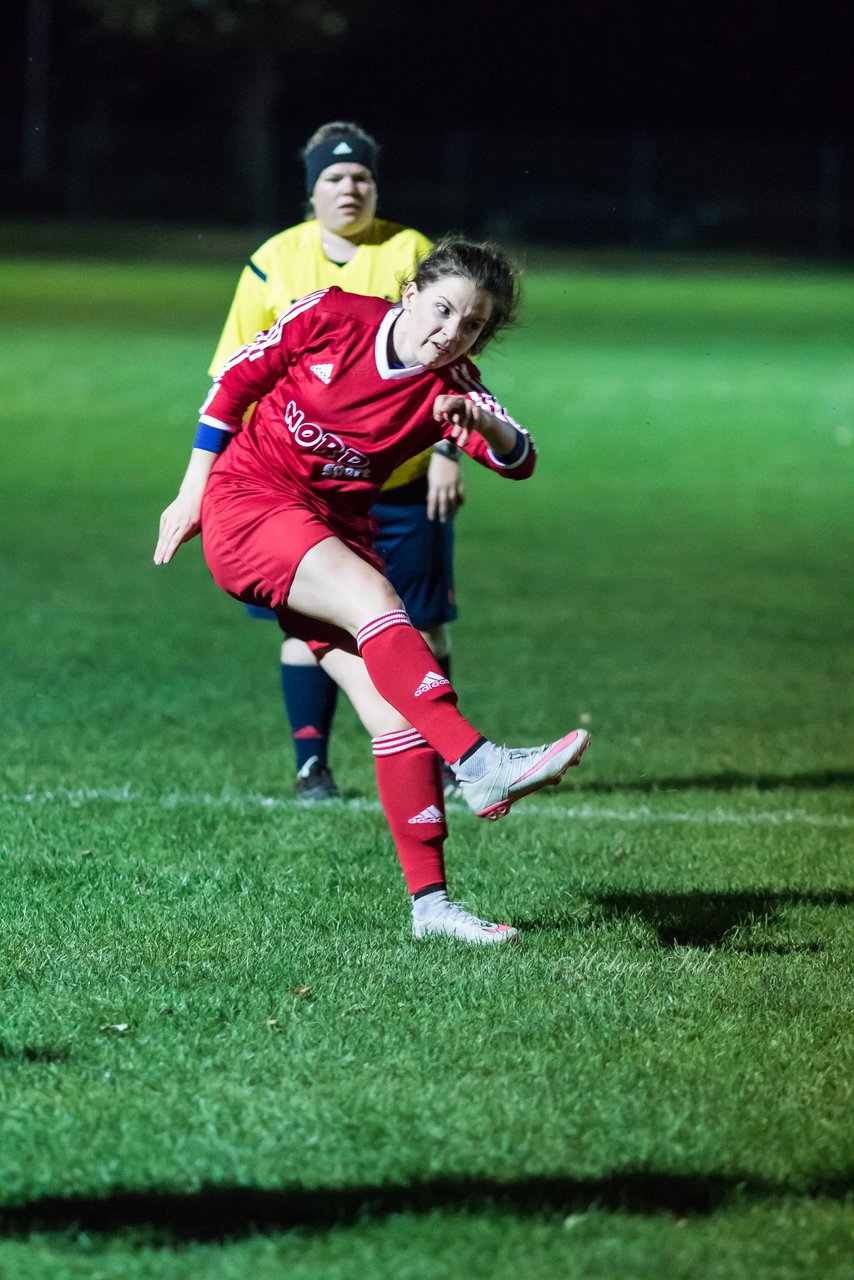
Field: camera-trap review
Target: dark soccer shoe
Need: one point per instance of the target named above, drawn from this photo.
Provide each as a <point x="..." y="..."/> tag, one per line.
<point x="315" y="783"/>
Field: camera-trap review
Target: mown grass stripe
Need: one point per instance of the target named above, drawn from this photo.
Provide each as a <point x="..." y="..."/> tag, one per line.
<point x="581" y="812"/>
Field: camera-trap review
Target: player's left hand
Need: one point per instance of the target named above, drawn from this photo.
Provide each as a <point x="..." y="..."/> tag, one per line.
<point x="179" y="523"/>
<point x="460" y="413"/>
<point x="445" y="489"/>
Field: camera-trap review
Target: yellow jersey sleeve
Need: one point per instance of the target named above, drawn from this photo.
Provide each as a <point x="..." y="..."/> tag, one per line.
<point x="249" y="313"/>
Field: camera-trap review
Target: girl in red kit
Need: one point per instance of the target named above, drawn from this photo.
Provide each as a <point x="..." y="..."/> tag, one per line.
<point x="347" y="388"/>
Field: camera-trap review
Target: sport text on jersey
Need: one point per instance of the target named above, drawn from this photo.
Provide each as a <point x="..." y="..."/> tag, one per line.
<point x="345" y="462"/>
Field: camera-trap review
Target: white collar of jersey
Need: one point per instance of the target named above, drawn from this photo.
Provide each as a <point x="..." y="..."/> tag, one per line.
<point x="384" y="369"/>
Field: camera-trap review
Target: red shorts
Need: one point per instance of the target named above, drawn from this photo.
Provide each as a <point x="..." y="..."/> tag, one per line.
<point x="254" y="539"/>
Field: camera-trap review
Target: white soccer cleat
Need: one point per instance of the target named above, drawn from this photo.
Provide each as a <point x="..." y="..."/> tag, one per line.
<point x="519" y="771"/>
<point x="451" y="921"/>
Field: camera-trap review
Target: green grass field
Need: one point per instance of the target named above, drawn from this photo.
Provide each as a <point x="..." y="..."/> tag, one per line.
<point x="656" y="1081"/>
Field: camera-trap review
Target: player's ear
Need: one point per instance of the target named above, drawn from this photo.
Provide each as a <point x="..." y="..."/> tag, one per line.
<point x="409" y="294"/>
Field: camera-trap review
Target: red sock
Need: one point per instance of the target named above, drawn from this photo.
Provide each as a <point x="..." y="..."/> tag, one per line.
<point x="409" y="779"/>
<point x="409" y="677"/>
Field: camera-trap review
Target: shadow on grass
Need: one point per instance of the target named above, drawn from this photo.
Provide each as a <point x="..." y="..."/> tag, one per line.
<point x="46" y="1053"/>
<point x="704" y="920"/>
<point x="713" y="919"/>
<point x="220" y="1213"/>
<point x="728" y="781"/>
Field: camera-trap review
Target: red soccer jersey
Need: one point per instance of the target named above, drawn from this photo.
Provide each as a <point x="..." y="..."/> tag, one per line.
<point x="333" y="418"/>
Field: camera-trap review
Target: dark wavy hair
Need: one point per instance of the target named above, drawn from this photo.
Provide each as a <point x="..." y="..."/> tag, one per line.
<point x="489" y="270"/>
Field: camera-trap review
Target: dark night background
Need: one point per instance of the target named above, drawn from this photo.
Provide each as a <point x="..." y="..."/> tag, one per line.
<point x="601" y="121"/>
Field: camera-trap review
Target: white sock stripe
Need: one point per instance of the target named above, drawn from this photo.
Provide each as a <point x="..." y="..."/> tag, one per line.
<point x="396" y="618"/>
<point x="392" y="744"/>
<point x="397" y="733"/>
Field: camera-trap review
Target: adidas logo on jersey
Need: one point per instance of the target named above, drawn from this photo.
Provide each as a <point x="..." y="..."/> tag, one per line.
<point x="430" y="814"/>
<point x="323" y="372"/>
<point x="343" y="149"/>
<point x="432" y="680"/>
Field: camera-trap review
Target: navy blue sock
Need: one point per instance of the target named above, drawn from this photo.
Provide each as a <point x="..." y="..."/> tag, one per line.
<point x="310" y="696"/>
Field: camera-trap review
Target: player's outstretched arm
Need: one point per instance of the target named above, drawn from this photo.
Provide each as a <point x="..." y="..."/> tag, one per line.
<point x="181" y="520"/>
<point x="489" y="436"/>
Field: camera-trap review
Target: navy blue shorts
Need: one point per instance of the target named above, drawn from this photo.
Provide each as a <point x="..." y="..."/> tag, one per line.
<point x="419" y="560"/>
<point x="418" y="554"/>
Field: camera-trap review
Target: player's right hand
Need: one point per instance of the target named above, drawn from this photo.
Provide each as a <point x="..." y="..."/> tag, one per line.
<point x="179" y="523"/>
<point x="460" y="413"/>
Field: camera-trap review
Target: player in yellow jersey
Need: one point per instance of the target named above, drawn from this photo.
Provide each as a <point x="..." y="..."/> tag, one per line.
<point x="344" y="243"/>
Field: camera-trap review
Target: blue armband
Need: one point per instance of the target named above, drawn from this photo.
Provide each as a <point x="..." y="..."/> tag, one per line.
<point x="214" y="439"/>
<point x="516" y="454"/>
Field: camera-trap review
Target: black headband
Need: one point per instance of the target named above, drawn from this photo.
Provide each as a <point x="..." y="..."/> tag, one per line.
<point x="339" y="151"/>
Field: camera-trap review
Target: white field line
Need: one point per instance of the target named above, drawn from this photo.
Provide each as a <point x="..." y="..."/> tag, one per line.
<point x="579" y="812"/>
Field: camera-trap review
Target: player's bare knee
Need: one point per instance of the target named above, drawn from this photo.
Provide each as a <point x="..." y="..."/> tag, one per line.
<point x="296" y="653"/>
<point x="379" y="599"/>
<point x="366" y="597"/>
<point x="389" y="598"/>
